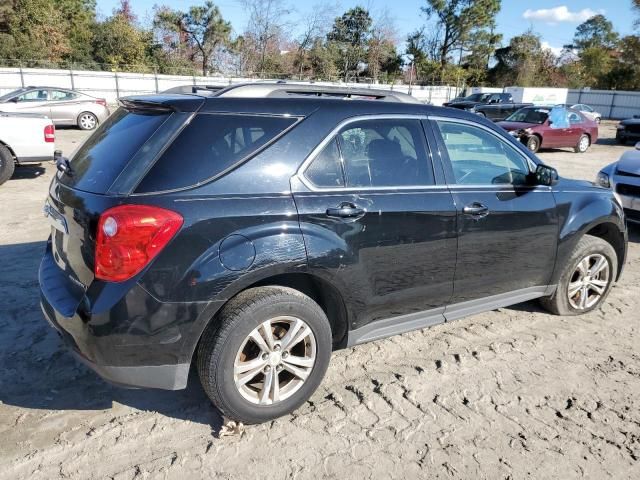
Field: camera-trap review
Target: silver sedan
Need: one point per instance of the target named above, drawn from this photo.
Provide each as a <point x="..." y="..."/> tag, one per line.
<point x="623" y="177"/>
<point x="64" y="107"/>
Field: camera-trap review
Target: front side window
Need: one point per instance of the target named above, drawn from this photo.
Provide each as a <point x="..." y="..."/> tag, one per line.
<point x="33" y="96"/>
<point x="480" y="158"/>
<point x="384" y="153"/>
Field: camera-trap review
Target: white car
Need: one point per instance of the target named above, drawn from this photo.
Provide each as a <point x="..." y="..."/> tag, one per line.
<point x="24" y="138"/>
<point x="588" y="112"/>
<point x="623" y="177"/>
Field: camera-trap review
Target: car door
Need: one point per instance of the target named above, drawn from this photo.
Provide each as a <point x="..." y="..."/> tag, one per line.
<point x="63" y="105"/>
<point x="31" y="101"/>
<point x="507" y="227"/>
<point x="379" y="223"/>
<point x="559" y="132"/>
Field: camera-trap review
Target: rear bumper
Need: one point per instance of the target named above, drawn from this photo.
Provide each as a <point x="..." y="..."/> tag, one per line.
<point x="119" y="330"/>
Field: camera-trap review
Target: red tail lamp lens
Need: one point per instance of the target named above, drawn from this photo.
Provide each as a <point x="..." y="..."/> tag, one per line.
<point x="129" y="237"/>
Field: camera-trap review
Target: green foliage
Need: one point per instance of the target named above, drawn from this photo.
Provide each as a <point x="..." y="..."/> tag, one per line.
<point x="119" y="44"/>
<point x="458" y="19"/>
<point x="596" y="32"/>
<point x="201" y="30"/>
<point x="349" y="36"/>
<point x="524" y="63"/>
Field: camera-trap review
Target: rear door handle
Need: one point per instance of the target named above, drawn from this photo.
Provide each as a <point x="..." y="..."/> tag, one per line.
<point x="476" y="209"/>
<point x="345" y="210"/>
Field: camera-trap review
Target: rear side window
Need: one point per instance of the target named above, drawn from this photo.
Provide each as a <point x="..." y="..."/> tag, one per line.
<point x="208" y="146"/>
<point x="105" y="153"/>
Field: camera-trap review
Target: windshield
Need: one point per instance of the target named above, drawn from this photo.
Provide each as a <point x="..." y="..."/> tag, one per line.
<point x="9" y="95"/>
<point x="476" y="97"/>
<point x="529" y="115"/>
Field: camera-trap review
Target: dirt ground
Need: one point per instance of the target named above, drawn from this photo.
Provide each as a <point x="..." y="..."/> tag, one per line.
<point x="515" y="393"/>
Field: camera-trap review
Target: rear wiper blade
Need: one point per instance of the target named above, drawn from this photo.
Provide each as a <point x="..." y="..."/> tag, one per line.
<point x="62" y="163"/>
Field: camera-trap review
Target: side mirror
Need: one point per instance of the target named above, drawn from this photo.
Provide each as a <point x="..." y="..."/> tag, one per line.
<point x="546" y="175"/>
<point x="638" y="146"/>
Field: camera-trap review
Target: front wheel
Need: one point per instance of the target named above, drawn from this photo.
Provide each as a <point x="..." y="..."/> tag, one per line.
<point x="586" y="279"/>
<point x="533" y="143"/>
<point x="267" y="354"/>
<point x="583" y="144"/>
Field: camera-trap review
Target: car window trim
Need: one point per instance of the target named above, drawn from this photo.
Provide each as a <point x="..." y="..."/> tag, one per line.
<point x="531" y="164"/>
<point x="300" y="173"/>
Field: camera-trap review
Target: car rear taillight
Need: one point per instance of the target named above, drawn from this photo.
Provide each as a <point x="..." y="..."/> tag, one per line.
<point x="49" y="134"/>
<point x="129" y="237"/>
<point x="102" y="102"/>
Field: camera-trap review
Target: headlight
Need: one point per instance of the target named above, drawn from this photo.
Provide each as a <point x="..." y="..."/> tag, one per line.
<point x="473" y="109"/>
<point x="620" y="127"/>
<point x="528" y="131"/>
<point x="603" y="180"/>
<point x="513" y="133"/>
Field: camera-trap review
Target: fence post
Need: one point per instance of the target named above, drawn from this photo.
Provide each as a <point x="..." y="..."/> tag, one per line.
<point x="613" y="102"/>
<point x="21" y="77"/>
<point x="115" y="75"/>
<point x="73" y="86"/>
<point x="155" y="77"/>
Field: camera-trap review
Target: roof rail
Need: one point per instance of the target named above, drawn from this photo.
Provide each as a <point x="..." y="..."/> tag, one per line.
<point x="190" y="89"/>
<point x="282" y="89"/>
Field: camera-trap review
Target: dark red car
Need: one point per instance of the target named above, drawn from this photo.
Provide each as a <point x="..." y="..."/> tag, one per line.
<point x="552" y="127"/>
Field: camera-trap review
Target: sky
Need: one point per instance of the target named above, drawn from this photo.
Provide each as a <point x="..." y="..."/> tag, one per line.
<point x="554" y="20"/>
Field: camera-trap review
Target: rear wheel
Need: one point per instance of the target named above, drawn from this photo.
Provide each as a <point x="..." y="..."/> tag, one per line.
<point x="533" y="143"/>
<point x="87" y="121"/>
<point x="586" y="279"/>
<point x="268" y="355"/>
<point x="583" y="144"/>
<point x="7" y="164"/>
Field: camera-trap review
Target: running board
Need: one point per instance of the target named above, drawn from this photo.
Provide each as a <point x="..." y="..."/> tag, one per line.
<point x="415" y="321"/>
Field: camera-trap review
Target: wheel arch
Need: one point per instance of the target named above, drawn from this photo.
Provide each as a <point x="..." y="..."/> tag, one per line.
<point x="320" y="290"/>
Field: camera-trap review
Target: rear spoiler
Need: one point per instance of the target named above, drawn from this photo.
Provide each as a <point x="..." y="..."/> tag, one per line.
<point x="162" y="103"/>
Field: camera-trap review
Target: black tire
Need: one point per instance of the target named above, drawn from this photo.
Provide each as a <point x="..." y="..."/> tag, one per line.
<point x="584" y="142"/>
<point x="221" y="342"/>
<point x="558" y="303"/>
<point x="533" y="143"/>
<point x="7" y="164"/>
<point x="87" y="121"/>
<point x="620" y="140"/>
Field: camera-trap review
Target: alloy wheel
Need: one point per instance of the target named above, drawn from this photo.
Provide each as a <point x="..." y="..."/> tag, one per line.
<point x="88" y="121"/>
<point x="584" y="144"/>
<point x="589" y="281"/>
<point x="274" y="360"/>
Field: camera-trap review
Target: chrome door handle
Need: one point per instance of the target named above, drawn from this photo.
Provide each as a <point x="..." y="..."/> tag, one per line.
<point x="345" y="210"/>
<point x="476" y="209"/>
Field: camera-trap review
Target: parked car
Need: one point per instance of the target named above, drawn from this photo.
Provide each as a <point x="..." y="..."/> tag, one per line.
<point x="494" y="106"/>
<point x="623" y="177"/>
<point x="586" y="110"/>
<point x="253" y="232"/>
<point x="64" y="107"/>
<point x="24" y="138"/>
<point x="552" y="127"/>
<point x="628" y="130"/>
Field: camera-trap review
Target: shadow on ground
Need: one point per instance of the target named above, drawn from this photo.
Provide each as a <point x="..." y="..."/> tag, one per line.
<point x="39" y="372"/>
<point x="29" y="171"/>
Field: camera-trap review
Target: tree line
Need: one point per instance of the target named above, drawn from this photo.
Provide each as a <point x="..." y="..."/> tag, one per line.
<point x="458" y="44"/>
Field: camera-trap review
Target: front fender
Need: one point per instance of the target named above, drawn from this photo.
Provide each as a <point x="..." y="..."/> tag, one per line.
<point x="580" y="212"/>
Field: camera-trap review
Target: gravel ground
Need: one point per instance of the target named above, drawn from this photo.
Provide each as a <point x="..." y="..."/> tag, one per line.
<point x="514" y="393"/>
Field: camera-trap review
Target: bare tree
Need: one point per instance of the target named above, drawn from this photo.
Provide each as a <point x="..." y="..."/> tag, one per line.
<point x="384" y="36"/>
<point x="315" y="26"/>
<point x="266" y="26"/>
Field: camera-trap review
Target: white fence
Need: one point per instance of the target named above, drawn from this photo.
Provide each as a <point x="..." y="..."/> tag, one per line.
<point x="111" y="85"/>
<point x="610" y="103"/>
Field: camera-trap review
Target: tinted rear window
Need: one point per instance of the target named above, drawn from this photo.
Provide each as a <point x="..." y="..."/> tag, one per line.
<point x="209" y="145"/>
<point x="102" y="157"/>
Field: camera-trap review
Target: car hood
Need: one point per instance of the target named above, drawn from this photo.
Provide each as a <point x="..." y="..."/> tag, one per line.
<point x="630" y="121"/>
<point x="509" y="126"/>
<point x="629" y="163"/>
<point x="464" y="105"/>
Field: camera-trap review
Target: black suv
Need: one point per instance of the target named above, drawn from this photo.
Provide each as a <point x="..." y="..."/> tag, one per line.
<point x="254" y="231"/>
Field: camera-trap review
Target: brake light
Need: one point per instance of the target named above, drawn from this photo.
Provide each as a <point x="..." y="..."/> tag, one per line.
<point x="49" y="134"/>
<point x="129" y="237"/>
<point x="102" y="102"/>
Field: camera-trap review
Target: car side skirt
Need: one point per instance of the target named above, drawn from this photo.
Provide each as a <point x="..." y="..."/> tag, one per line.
<point x="418" y="320"/>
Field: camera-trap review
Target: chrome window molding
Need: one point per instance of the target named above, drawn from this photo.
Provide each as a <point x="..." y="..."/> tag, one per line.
<point x="332" y="135"/>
